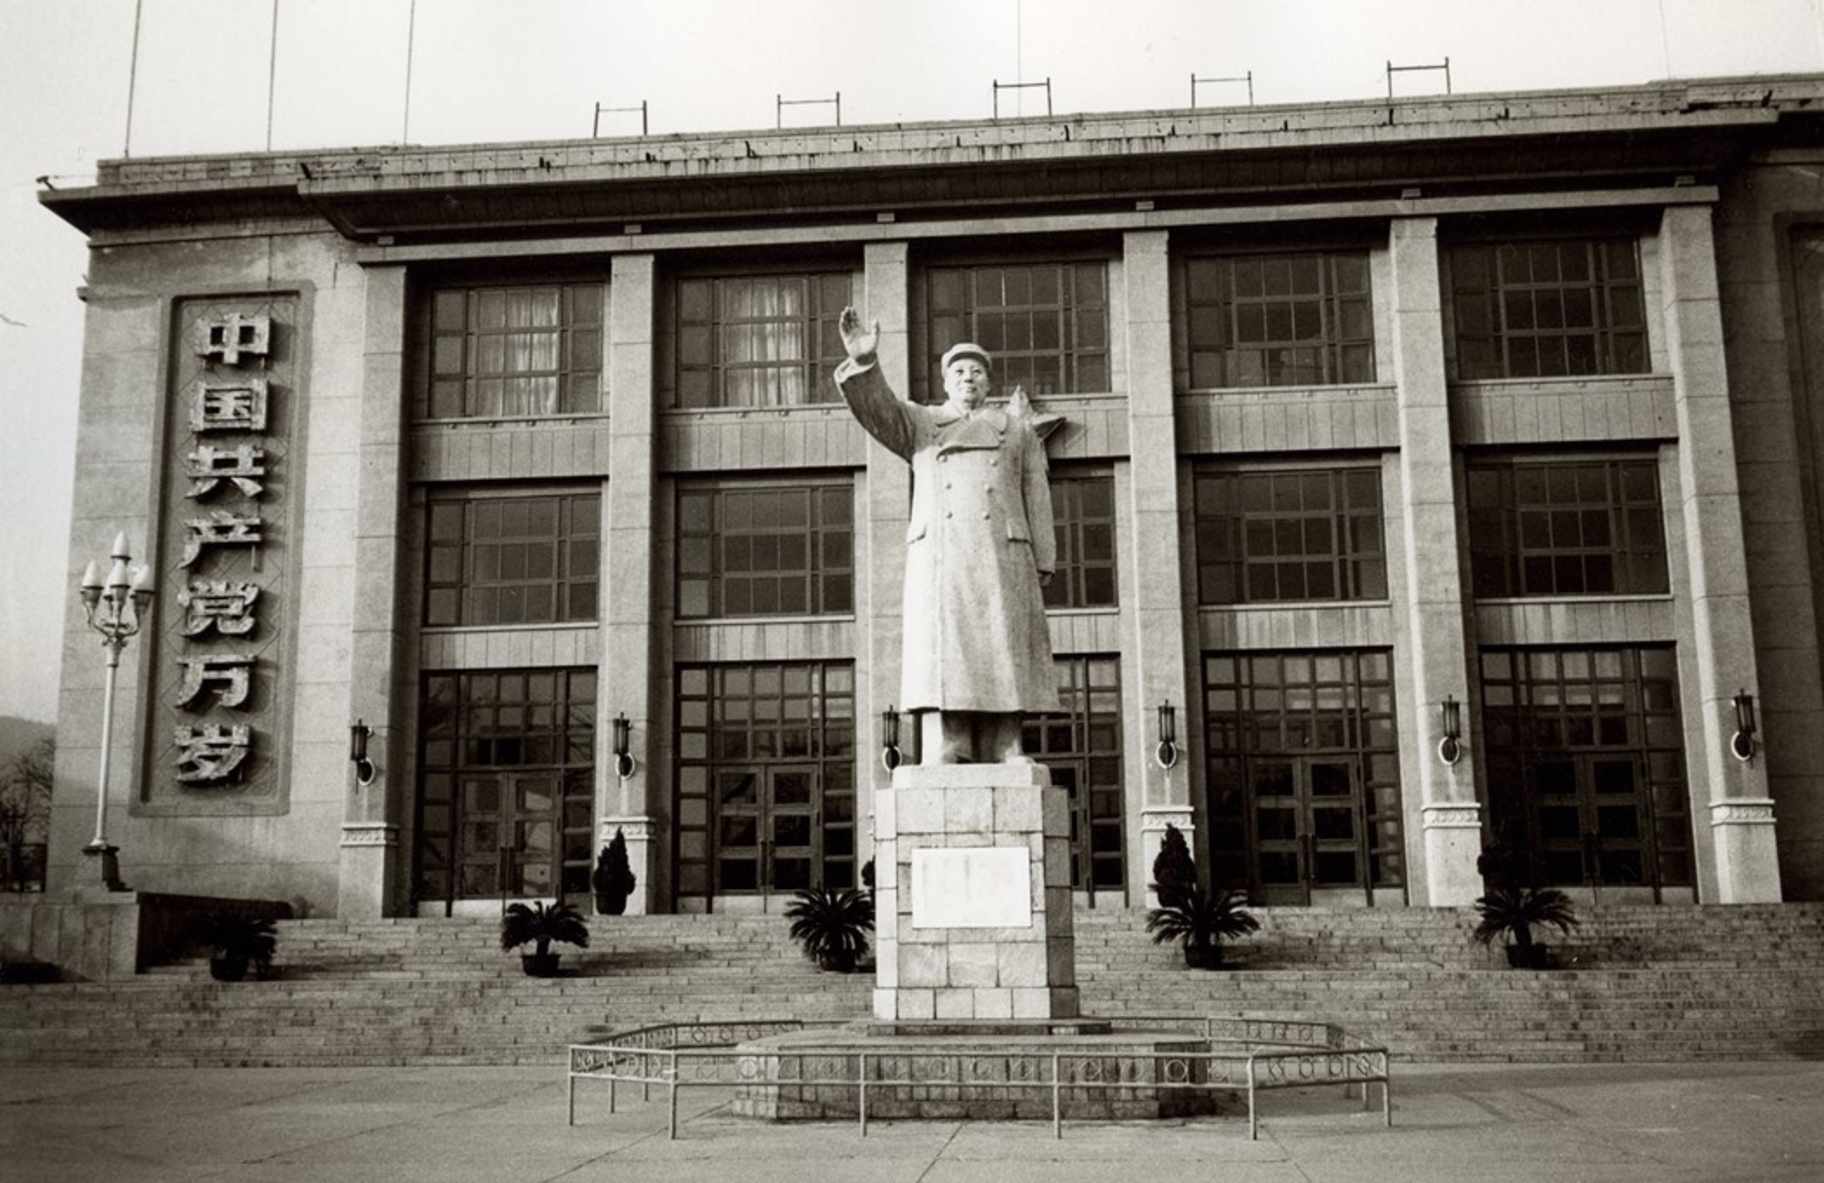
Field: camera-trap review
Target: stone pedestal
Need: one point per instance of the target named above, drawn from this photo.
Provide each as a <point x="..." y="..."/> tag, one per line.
<point x="99" y="869"/>
<point x="1453" y="840"/>
<point x="974" y="919"/>
<point x="1747" y="861"/>
<point x="364" y="877"/>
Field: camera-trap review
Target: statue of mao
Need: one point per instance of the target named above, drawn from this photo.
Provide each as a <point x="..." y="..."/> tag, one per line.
<point x="978" y="550"/>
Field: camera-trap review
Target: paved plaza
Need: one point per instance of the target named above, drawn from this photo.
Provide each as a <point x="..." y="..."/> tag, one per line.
<point x="1614" y="1123"/>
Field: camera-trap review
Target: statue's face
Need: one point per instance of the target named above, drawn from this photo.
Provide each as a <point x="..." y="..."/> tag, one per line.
<point x="967" y="381"/>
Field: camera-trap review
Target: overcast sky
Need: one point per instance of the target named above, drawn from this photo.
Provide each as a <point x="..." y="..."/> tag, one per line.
<point x="533" y="69"/>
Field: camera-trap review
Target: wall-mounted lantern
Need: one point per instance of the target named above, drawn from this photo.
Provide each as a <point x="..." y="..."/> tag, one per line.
<point x="1450" y="722"/>
<point x="358" y="734"/>
<point x="1741" y="744"/>
<point x="624" y="763"/>
<point x="890" y="755"/>
<point x="1167" y="751"/>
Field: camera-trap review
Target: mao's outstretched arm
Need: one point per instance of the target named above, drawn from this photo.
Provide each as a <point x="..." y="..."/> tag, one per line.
<point x="883" y="414"/>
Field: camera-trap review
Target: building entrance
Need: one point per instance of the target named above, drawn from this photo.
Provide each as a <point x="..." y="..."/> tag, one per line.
<point x="1307" y="827"/>
<point x="765" y="782"/>
<point x="1303" y="780"/>
<point x="1586" y="767"/>
<point x="511" y="833"/>
<point x="505" y="790"/>
<point x="768" y="824"/>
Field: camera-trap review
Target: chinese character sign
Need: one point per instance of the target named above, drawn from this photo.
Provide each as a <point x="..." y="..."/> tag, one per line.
<point x="226" y="530"/>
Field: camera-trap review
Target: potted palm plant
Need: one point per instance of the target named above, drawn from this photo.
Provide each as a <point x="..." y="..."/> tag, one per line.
<point x="539" y="925"/>
<point x="236" y="941"/>
<point x="832" y="926"/>
<point x="1201" y="920"/>
<point x="1514" y="912"/>
<point x="613" y="879"/>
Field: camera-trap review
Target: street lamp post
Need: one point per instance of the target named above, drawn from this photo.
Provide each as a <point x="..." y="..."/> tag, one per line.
<point x="115" y="609"/>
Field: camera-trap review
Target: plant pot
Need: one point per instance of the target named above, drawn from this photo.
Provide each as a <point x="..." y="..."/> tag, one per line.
<point x="610" y="905"/>
<point x="228" y="968"/>
<point x="1535" y="956"/>
<point x="1203" y="956"/>
<point x="836" y="963"/>
<point x="539" y="965"/>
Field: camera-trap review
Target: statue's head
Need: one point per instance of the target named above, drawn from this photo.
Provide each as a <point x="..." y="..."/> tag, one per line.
<point x="968" y="374"/>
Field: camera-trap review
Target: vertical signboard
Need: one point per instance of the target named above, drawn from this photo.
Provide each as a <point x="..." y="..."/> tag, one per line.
<point x="219" y="714"/>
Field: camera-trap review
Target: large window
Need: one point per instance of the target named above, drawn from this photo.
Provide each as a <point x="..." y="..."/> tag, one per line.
<point x="512" y="560"/>
<point x="1303" y="772"/>
<point x="1082" y="746"/>
<point x="766" y="550"/>
<point x="1279" y="320"/>
<point x="1563" y="528"/>
<point x="758" y="340"/>
<point x="1046" y="324"/>
<point x="507" y="787"/>
<point x="1083" y="519"/>
<point x="1543" y="309"/>
<point x="766" y="778"/>
<point x="1586" y="767"/>
<point x="499" y="352"/>
<point x="1310" y="534"/>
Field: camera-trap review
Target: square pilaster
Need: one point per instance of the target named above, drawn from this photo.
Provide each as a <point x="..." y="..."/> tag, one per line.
<point x="1435" y="626"/>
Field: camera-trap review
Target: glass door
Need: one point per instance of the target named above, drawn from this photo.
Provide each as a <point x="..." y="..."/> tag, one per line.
<point x="1591" y="821"/>
<point x="1307" y="831"/>
<point x="523" y="835"/>
<point x="767" y="828"/>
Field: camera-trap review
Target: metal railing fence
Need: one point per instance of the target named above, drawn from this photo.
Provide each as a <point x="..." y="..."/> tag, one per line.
<point x="1258" y="1055"/>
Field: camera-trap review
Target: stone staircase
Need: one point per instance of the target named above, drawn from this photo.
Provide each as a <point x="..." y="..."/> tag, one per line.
<point x="401" y="992"/>
<point x="1647" y="984"/>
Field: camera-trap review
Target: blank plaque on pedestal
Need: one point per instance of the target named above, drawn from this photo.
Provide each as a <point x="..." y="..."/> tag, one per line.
<point x="972" y="887"/>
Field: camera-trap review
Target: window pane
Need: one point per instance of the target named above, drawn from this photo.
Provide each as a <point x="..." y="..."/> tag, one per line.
<point x="1557" y="314"/>
<point x="502" y="560"/>
<point x="754" y="550"/>
<point x="1566" y="528"/>
<point x="510" y="351"/>
<point x="1289" y="533"/>
<point x="1279" y="320"/>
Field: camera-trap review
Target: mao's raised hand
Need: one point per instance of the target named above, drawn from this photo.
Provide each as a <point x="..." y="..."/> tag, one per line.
<point x="860" y="342"/>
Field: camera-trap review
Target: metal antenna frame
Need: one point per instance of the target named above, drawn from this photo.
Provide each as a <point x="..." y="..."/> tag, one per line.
<point x="1247" y="78"/>
<point x="595" y="128"/>
<point x="1393" y="69"/>
<point x="999" y="86"/>
<point x="780" y="103"/>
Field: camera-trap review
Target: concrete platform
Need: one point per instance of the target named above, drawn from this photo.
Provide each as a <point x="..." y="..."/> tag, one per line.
<point x="1630" y="1123"/>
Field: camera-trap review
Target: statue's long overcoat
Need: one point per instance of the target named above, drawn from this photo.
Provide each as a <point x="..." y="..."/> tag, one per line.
<point x="981" y="531"/>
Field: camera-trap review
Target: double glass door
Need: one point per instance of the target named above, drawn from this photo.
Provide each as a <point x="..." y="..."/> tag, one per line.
<point x="1586" y="777"/>
<point x="524" y="834"/>
<point x="1308" y="831"/>
<point x="1589" y="820"/>
<point x="768" y="825"/>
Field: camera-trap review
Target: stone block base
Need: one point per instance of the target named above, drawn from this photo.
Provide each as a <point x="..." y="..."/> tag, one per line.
<point x="973" y="921"/>
<point x="814" y="1075"/>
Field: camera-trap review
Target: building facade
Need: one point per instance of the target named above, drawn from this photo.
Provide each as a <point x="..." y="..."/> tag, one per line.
<point x="1436" y="473"/>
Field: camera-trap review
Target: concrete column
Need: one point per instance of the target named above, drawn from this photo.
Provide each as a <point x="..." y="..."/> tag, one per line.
<point x="887" y="508"/>
<point x="1154" y="620"/>
<point x="1741" y="823"/>
<point x="1435" y="664"/>
<point x="372" y="864"/>
<point x="629" y="803"/>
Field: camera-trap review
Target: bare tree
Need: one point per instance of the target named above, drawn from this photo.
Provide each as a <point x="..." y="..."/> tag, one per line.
<point x="25" y="806"/>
